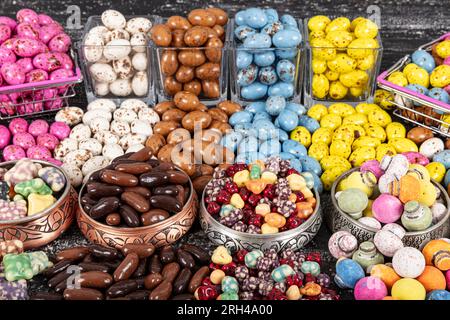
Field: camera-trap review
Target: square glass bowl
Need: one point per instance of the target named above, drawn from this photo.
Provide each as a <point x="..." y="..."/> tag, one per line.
<point x="291" y="88"/>
<point x="204" y="71"/>
<point x="364" y="79"/>
<point x="128" y="77"/>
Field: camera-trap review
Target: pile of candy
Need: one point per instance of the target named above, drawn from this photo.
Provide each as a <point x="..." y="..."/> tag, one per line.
<point x="36" y="140"/>
<point x="261" y="198"/>
<point x="266" y="55"/>
<point x="33" y="49"/>
<point x="267" y="275"/>
<point x="28" y="188"/>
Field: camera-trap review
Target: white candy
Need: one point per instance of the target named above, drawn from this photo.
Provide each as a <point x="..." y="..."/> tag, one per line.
<point x="117" y="49"/>
<point x="77" y="157"/>
<point x="126" y="115"/>
<point x="113" y="19"/>
<point x="130" y="139"/>
<point x="74" y="173"/>
<point x="93" y="47"/>
<point x="103" y="72"/>
<point x="70" y="115"/>
<point x="123" y="68"/>
<point x="149" y="115"/>
<point x="138" y="24"/>
<point x="116" y="34"/>
<point x="98" y="31"/>
<point x="103" y="104"/>
<point x="139" y="84"/>
<point x="121" y="87"/>
<point x="94" y="164"/>
<point x="139" y="61"/>
<point x="139" y="42"/>
<point x="101" y="88"/>
<point x="112" y="151"/>
<point x="134" y="104"/>
<point x="135" y="148"/>
<point x="141" y="127"/>
<point x="105" y="137"/>
<point x="96" y="113"/>
<point x="64" y="147"/>
<point x="80" y="131"/>
<point x="99" y="124"/>
<point x="92" y="145"/>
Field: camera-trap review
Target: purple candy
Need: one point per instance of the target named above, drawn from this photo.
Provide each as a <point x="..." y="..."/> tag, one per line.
<point x="39" y="153"/>
<point x="60" y="130"/>
<point x="18" y="125"/>
<point x="38" y="127"/>
<point x="24" y="140"/>
<point x="13" y="152"/>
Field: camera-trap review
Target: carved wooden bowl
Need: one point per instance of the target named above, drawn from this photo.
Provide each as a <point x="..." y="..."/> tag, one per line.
<point x="44" y="227"/>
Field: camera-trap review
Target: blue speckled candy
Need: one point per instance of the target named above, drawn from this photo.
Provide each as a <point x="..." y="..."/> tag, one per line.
<point x="282" y="135"/>
<point x="275" y="104"/>
<point x="318" y="185"/>
<point x="240" y="117"/>
<point x="231" y="140"/>
<point x="286" y="70"/>
<point x="348" y="272"/>
<point x="262" y="115"/>
<point x="248" y="144"/>
<point x="282" y="272"/>
<point x="310" y="164"/>
<point x="286" y="39"/>
<point x="438" y="295"/>
<point x="287" y="19"/>
<point x="255" y="91"/>
<point x="249" y="157"/>
<point x="267" y="75"/>
<point x="230" y="284"/>
<point x="281" y="88"/>
<point x="447" y="179"/>
<point x="247" y="76"/>
<point x="226" y="209"/>
<point x="256" y="107"/>
<point x="239" y="18"/>
<point x="272" y="28"/>
<point x="270" y="147"/>
<point x="296" y="164"/>
<point x="297" y="108"/>
<point x="439" y="94"/>
<point x="255" y="17"/>
<point x="258" y="41"/>
<point x="287" y="156"/>
<point x="288" y="120"/>
<point x="311" y="267"/>
<point x="286" y="53"/>
<point x="265" y="129"/>
<point x="252" y="257"/>
<point x="424" y="60"/>
<point x="243" y="58"/>
<point x="294" y="147"/>
<point x="309" y="123"/>
<point x="242" y="32"/>
<point x="264" y="59"/>
<point x="417" y="88"/>
<point x="443" y="157"/>
<point x="271" y="14"/>
<point x="245" y="129"/>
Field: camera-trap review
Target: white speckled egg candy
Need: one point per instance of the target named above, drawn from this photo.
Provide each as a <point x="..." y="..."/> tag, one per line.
<point x="131" y="138"/>
<point x="101" y="88"/>
<point x="139" y="84"/>
<point x="126" y="115"/>
<point x="93" y="164"/>
<point x="92" y="145"/>
<point x="99" y="124"/>
<point x="134" y="104"/>
<point x="139" y="61"/>
<point x="70" y="115"/>
<point x="150" y="115"/>
<point x="105" y="137"/>
<point x="93" y="114"/>
<point x="117" y="49"/>
<point x="121" y="87"/>
<point x="64" y="147"/>
<point x="113" y="19"/>
<point x="102" y="104"/>
<point x="139" y="24"/>
<point x="112" y="151"/>
<point x="102" y="72"/>
<point x="431" y="146"/>
<point x="74" y="173"/>
<point x="120" y="128"/>
<point x="141" y="127"/>
<point x="408" y="262"/>
<point x="80" y="131"/>
<point x="77" y="157"/>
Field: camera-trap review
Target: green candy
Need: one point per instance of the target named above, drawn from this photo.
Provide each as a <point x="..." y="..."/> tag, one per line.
<point x="17" y="267"/>
<point x="309" y="179"/>
<point x="230" y="284"/>
<point x="255" y="172"/>
<point x="32" y="186"/>
<point x="311" y="267"/>
<point x="229" y="296"/>
<point x="252" y="257"/>
<point x="39" y="261"/>
<point x="282" y="272"/>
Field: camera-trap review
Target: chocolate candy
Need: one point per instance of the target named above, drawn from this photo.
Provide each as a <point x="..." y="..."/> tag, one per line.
<point x="197" y="252"/>
<point x="185" y="259"/>
<point x="162" y="291"/>
<point x="167" y="203"/>
<point x="104" y="206"/>
<point x="153" y="280"/>
<point x="170" y="271"/>
<point x="136" y="201"/>
<point x="182" y="281"/>
<point x="127" y="267"/>
<point x="119" y="178"/>
<point x="167" y="254"/>
<point x="134" y="168"/>
<point x="143" y="250"/>
<point x="154" y="216"/>
<point x="104" y="253"/>
<point x="73" y="254"/>
<point x="82" y="294"/>
<point x="154" y="179"/>
<point x="100" y="190"/>
<point x="129" y="215"/>
<point x="95" y="279"/>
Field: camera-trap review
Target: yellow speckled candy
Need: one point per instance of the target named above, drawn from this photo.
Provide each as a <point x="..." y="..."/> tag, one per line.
<point x="366" y="29"/>
<point x="427" y="194"/>
<point x="340" y="38"/>
<point x="344" y="133"/>
<point x="317" y="34"/>
<point x="355" y="180"/>
<point x="302" y="135"/>
<point x="322" y="49"/>
<point x="379" y="117"/>
<point x="398" y="78"/>
<point x="337" y="90"/>
<point x="356" y="92"/>
<point x="395" y="130"/>
<point x="361" y="155"/>
<point x="440" y="77"/>
<point x="385" y="273"/>
<point x="358" y="130"/>
<point x="296" y="182"/>
<point x="443" y="49"/>
<point x="357" y="118"/>
<point x="403" y="145"/>
<point x="330" y="175"/>
<point x="331" y="75"/>
<point x="318" y="23"/>
<point x="419" y="76"/>
<point x="367" y="212"/>
<point x="361" y="48"/>
<point x="319" y="66"/>
<point x="320" y="86"/>
<point x="317" y="111"/>
<point x="322" y="135"/>
<point x="329" y="162"/>
<point x="385" y="149"/>
<point x="241" y="177"/>
<point x="366" y="142"/>
<point x="366" y="63"/>
<point x="436" y="171"/>
<point x="331" y="121"/>
<point x="268" y="229"/>
<point x="356" y="78"/>
<point x="365" y="107"/>
<point x="375" y="131"/>
<point x="409" y="67"/>
<point x="269" y="177"/>
<point x="237" y="201"/>
<point x="419" y="172"/>
<point x="383" y="98"/>
<point x="340" y="148"/>
<point x="342" y="63"/>
<point x="318" y="151"/>
<point x="355" y="22"/>
<point x="341" y="23"/>
<point x="341" y="109"/>
<point x="408" y="289"/>
<point x="275" y="220"/>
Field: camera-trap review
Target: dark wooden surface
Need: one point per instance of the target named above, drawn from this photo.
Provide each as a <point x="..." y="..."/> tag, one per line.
<point x="405" y="26"/>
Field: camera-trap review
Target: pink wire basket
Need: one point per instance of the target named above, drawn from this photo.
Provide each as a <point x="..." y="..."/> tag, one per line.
<point x="31" y="99"/>
<point x="415" y="107"/>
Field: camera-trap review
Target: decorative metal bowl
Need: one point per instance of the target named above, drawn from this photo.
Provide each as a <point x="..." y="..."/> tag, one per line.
<point x="44" y="227"/>
<point x="235" y="240"/>
<point x="159" y="234"/>
<point x="337" y="220"/>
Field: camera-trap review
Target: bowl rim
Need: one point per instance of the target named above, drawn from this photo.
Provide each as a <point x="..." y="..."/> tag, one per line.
<point x="373" y="230"/>
<point x="258" y="236"/>
<point x="49" y="209"/>
<point x="129" y="230"/>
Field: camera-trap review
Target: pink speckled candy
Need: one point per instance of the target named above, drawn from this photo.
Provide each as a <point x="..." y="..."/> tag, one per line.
<point x="13" y="152"/>
<point x="416" y="158"/>
<point x="60" y="130"/>
<point x="10" y="22"/>
<point x="39" y="153"/>
<point x="54" y="161"/>
<point x="38" y="127"/>
<point x="47" y="140"/>
<point x="387" y="208"/>
<point x="5" y="136"/>
<point x="447" y="277"/>
<point x="27" y="15"/>
<point x="18" y="125"/>
<point x="372" y="166"/>
<point x="370" y="288"/>
<point x="26" y="64"/>
<point x="24" y="140"/>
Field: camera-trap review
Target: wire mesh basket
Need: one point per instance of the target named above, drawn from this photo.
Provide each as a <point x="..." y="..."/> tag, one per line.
<point x="415" y="107"/>
<point x="36" y="98"/>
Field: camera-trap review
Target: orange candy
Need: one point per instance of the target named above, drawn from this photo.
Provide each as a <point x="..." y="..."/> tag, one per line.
<point x="432" y="279"/>
<point x="275" y="220"/>
<point x="385" y="273"/>
<point x="311" y="289"/>
<point x="437" y="253"/>
<point x="256" y="186"/>
<point x="304" y="209"/>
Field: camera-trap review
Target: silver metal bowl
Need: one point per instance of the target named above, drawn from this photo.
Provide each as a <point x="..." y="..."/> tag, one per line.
<point x="337" y="220"/>
<point x="235" y="240"/>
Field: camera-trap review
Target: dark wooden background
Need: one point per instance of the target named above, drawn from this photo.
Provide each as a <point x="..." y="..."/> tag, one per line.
<point x="406" y="24"/>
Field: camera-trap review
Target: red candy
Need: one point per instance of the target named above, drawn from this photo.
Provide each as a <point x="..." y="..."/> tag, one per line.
<point x="213" y="208"/>
<point x="206" y="293"/>
<point x="232" y="187"/>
